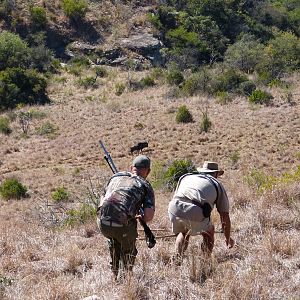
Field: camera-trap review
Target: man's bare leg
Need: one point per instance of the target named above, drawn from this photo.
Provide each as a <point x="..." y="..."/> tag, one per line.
<point x="182" y="242"/>
<point x="208" y="240"/>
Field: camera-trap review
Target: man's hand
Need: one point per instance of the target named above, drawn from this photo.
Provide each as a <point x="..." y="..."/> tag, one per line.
<point x="230" y="242"/>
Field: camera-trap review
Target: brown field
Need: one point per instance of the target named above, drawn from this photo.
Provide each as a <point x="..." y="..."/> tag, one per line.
<point x="38" y="261"/>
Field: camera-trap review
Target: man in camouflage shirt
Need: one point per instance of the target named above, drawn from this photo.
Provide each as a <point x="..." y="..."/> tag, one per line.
<point x="125" y="195"/>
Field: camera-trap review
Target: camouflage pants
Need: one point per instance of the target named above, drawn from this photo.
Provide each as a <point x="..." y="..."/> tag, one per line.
<point x="121" y="242"/>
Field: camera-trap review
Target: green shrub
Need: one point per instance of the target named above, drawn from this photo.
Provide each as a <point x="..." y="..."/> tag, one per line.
<point x="234" y="157"/>
<point x="280" y="57"/>
<point x="12" y="188"/>
<point x="14" y="52"/>
<point x="175" y="170"/>
<point x="74" y="9"/>
<point x="260" y="97"/>
<point x="227" y="81"/>
<point x="205" y="123"/>
<point x="21" y="86"/>
<point x="120" y="88"/>
<point x="244" y="54"/>
<point x="246" y="88"/>
<point x="223" y="97"/>
<point x="100" y="72"/>
<point x="147" y="81"/>
<point x="88" y="82"/>
<point x="81" y="215"/>
<point x="174" y="77"/>
<point x="47" y="129"/>
<point x="60" y="194"/>
<point x="197" y="82"/>
<point x="183" y="115"/>
<point x="38" y="17"/>
<point x="259" y="180"/>
<point x="4" y="125"/>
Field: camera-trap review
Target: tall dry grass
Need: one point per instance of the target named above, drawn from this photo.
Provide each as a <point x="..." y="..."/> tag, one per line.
<point x="42" y="261"/>
<point x="73" y="263"/>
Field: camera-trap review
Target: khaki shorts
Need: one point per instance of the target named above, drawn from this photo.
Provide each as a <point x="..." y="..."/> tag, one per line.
<point x="184" y="225"/>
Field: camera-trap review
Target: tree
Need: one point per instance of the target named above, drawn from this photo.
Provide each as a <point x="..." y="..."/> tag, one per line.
<point x="244" y="54"/>
<point x="13" y="51"/>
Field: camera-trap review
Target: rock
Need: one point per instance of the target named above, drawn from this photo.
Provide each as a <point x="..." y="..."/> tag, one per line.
<point x="144" y="44"/>
<point x="144" y="47"/>
<point x="94" y="297"/>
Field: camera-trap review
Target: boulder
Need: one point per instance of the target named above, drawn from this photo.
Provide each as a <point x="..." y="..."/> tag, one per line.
<point x="144" y="44"/>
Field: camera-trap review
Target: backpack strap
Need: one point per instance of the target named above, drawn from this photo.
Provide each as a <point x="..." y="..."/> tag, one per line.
<point x="210" y="178"/>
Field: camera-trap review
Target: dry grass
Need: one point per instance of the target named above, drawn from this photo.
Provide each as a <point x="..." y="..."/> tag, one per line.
<point x="42" y="262"/>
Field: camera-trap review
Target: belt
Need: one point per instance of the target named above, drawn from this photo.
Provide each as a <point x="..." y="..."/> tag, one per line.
<point x="111" y="223"/>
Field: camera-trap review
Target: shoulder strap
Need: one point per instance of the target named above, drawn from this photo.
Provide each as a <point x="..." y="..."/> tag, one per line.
<point x="205" y="176"/>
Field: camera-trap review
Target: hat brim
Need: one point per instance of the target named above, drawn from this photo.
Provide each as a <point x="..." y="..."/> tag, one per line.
<point x="202" y="170"/>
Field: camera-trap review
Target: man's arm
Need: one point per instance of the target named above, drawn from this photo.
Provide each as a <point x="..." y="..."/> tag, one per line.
<point x="148" y="214"/>
<point x="226" y="226"/>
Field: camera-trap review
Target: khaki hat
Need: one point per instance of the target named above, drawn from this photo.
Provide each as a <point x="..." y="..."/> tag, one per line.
<point x="210" y="167"/>
<point x="141" y="161"/>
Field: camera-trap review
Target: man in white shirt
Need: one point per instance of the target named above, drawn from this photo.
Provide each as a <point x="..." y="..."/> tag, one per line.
<point x="191" y="206"/>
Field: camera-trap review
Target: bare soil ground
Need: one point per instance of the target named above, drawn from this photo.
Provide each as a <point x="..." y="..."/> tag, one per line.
<point x="38" y="262"/>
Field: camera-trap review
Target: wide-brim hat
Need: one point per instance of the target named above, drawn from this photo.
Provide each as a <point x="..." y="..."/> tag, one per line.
<point x="210" y="167"/>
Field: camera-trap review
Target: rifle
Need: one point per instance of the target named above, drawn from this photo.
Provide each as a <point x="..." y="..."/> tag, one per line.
<point x="149" y="236"/>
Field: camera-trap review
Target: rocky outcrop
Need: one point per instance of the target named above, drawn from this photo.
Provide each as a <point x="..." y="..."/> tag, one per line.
<point x="140" y="50"/>
<point x="144" y="44"/>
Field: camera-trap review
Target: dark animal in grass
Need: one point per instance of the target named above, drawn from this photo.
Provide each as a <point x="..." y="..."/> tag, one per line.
<point x="138" y="147"/>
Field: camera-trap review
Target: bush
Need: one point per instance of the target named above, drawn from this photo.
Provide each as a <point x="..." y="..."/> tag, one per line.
<point x="60" y="194"/>
<point x="13" y="51"/>
<point x="246" y="88"/>
<point x="120" y="88"/>
<point x="4" y="125"/>
<point x="147" y="81"/>
<point x="245" y="54"/>
<point x="21" y="86"/>
<point x="38" y="17"/>
<point x="183" y="115"/>
<point x="81" y="215"/>
<point x="197" y="82"/>
<point x="227" y="81"/>
<point x="205" y="124"/>
<point x="100" y="72"/>
<point x="88" y="82"/>
<point x="74" y="9"/>
<point x="175" y="170"/>
<point x="11" y="188"/>
<point x="280" y="56"/>
<point x="41" y="57"/>
<point x="174" y="77"/>
<point x="260" y="97"/>
<point x="47" y="129"/>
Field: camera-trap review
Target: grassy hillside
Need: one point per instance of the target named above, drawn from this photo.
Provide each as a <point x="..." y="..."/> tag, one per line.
<point x="50" y="247"/>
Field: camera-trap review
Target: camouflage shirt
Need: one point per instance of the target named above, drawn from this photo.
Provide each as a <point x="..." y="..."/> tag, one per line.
<point x="125" y="194"/>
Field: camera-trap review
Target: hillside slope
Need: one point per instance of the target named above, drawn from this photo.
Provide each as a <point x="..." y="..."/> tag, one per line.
<point x="43" y="263"/>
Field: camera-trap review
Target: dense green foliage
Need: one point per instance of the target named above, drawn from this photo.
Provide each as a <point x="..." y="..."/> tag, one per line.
<point x="20" y="64"/>
<point x="175" y="170"/>
<point x="12" y="188"/>
<point x="38" y="17"/>
<point x="21" y="86"/>
<point x="4" y="125"/>
<point x="13" y="51"/>
<point x="260" y="97"/>
<point x="60" y="194"/>
<point x="183" y="115"/>
<point x="250" y="36"/>
<point x="74" y="9"/>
